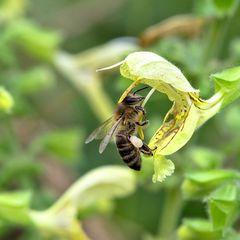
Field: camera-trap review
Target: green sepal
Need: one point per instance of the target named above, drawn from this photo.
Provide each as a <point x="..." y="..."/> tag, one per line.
<point x="223" y="205"/>
<point x="228" y="83"/>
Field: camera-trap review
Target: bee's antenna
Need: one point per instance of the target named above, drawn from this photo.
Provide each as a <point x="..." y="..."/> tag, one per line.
<point x="140" y="90"/>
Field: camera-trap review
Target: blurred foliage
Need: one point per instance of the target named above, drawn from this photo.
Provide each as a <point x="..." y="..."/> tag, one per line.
<point x="51" y="97"/>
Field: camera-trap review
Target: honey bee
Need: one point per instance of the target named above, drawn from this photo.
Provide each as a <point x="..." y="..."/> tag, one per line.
<point x="129" y="148"/>
<point x="123" y="124"/>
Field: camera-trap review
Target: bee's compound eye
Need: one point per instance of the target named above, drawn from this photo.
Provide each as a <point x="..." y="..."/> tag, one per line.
<point x="131" y="100"/>
<point x="137" y="142"/>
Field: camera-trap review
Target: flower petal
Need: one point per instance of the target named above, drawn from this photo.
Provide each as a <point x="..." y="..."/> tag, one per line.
<point x="101" y="183"/>
<point x="162" y="168"/>
<point x="177" y="128"/>
<point x="150" y="66"/>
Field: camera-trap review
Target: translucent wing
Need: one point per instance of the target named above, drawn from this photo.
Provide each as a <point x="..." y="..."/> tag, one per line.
<point x="101" y="131"/>
<point x="109" y="135"/>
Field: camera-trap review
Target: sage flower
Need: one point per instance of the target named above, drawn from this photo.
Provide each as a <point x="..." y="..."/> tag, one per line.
<point x="188" y="111"/>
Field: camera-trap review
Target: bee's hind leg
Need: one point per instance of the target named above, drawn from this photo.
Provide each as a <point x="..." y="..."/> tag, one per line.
<point x="145" y="149"/>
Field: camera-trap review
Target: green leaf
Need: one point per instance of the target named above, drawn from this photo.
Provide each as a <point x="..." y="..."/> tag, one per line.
<point x="7" y="55"/>
<point x="197" y="229"/>
<point x="205" y="158"/>
<point x="205" y="8"/>
<point x="35" y="80"/>
<point x="228" y="83"/>
<point x="200" y="184"/>
<point x="162" y="168"/>
<point x="216" y="8"/>
<point x="63" y="144"/>
<point x="6" y="100"/>
<point x="212" y="176"/>
<point x="231" y="118"/>
<point x="223" y="5"/>
<point x="231" y="235"/>
<point x="14" y="207"/>
<point x="20" y="166"/>
<point x="39" y="43"/>
<point x="223" y="206"/>
<point x="234" y="52"/>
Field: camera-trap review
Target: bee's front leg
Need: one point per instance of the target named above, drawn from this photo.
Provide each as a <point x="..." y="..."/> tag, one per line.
<point x="140" y="109"/>
<point x="143" y="123"/>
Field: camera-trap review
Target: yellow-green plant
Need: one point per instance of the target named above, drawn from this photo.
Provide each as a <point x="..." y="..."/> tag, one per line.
<point x="60" y="220"/>
<point x="188" y="111"/>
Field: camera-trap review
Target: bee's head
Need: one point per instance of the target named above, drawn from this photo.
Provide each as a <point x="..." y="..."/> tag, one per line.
<point x="133" y="98"/>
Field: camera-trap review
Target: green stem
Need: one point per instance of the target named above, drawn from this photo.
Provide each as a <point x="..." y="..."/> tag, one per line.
<point x="10" y="135"/>
<point x="211" y="46"/>
<point x="171" y="212"/>
<point x="217" y="34"/>
<point x="214" y="42"/>
<point x="97" y="98"/>
<point x="87" y="82"/>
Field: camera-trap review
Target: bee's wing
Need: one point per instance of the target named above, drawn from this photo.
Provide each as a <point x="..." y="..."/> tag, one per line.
<point x="109" y="135"/>
<point x="101" y="131"/>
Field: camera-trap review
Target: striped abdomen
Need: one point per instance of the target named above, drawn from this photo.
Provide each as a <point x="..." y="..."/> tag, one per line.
<point x="129" y="153"/>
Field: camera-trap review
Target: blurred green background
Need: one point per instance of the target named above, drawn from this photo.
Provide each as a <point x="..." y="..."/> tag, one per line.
<point x="49" y="51"/>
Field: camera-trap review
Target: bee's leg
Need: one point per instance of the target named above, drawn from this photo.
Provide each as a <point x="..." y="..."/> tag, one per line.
<point x="131" y="128"/>
<point x="145" y="149"/>
<point x="154" y="149"/>
<point x="140" y="109"/>
<point x="143" y="123"/>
